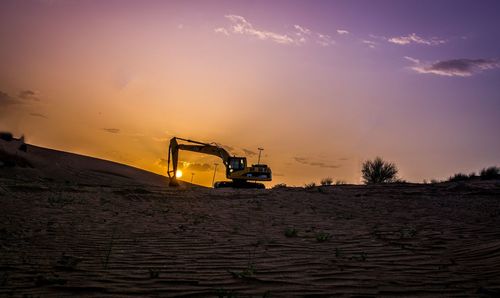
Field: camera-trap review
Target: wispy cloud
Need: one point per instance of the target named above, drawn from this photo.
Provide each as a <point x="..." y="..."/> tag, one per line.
<point x="306" y="161"/>
<point x="39" y="115"/>
<point x="300" y="35"/>
<point x="239" y="25"/>
<point x="324" y="40"/>
<point x="112" y="130"/>
<point x="370" y="43"/>
<point x="197" y="167"/>
<point x="342" y="32"/>
<point x="28" y="95"/>
<point x="454" y="67"/>
<point x="414" y="38"/>
<point x="7" y="100"/>
<point x="162" y="162"/>
<point x="249" y="152"/>
<point x="221" y="30"/>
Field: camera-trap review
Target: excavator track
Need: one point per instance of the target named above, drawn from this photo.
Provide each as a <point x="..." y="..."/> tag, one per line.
<point x="232" y="184"/>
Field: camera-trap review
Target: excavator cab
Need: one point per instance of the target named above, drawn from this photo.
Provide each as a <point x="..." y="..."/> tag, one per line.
<point x="236" y="164"/>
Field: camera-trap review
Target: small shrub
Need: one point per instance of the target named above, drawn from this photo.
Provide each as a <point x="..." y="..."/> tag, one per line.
<point x="322" y="237"/>
<point x="340" y="182"/>
<point x="279" y="186"/>
<point x="223" y="293"/>
<point x="458" y="177"/>
<point x="490" y="173"/>
<point x="249" y="271"/>
<point x="434" y="181"/>
<point x="153" y="273"/>
<point x="310" y="185"/>
<point x="379" y="171"/>
<point x="291" y="232"/>
<point x="326" y="181"/>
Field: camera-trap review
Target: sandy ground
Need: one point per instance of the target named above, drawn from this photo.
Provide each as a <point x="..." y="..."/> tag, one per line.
<point x="65" y="238"/>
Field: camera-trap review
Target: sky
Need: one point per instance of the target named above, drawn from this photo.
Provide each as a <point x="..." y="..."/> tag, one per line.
<point x="320" y="85"/>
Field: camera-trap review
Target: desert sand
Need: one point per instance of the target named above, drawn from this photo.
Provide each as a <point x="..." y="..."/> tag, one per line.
<point x="73" y="225"/>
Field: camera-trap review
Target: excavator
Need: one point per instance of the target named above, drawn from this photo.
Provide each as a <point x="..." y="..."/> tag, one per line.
<point x="237" y="171"/>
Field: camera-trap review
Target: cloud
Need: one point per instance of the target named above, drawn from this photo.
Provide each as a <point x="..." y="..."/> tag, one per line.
<point x="414" y="38"/>
<point x="454" y="67"/>
<point x="39" y="115"/>
<point x="112" y="130"/>
<point x="342" y="32"/>
<point x="249" y="152"/>
<point x="184" y="165"/>
<point x="160" y="139"/>
<point x="221" y="30"/>
<point x="324" y="40"/>
<point x="162" y="162"/>
<point x="300" y="34"/>
<point x="241" y="26"/>
<point x="28" y="95"/>
<point x="370" y="43"/>
<point x="7" y="100"/>
<point x="227" y="148"/>
<point x="198" y="167"/>
<point x="305" y="161"/>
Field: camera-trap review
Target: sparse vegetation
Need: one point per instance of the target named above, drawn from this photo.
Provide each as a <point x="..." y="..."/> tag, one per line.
<point x="107" y="251"/>
<point x="338" y="252"/>
<point x="223" y="293"/>
<point x="408" y="232"/>
<point x="490" y="173"/>
<point x="291" y="232"/>
<point x="459" y="177"/>
<point x="249" y="271"/>
<point x="154" y="273"/>
<point x="326" y="181"/>
<point x="310" y="185"/>
<point x="279" y="186"/>
<point x="322" y="237"/>
<point x="340" y="182"/>
<point x="379" y="171"/>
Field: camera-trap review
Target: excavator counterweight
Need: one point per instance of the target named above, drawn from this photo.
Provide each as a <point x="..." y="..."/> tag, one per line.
<point x="237" y="171"/>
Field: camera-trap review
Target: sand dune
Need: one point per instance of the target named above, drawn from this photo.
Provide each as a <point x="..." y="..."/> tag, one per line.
<point x="110" y="239"/>
<point x="65" y="166"/>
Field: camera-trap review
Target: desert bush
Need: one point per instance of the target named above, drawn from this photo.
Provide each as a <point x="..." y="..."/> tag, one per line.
<point x="379" y="171"/>
<point x="459" y="177"/>
<point x="279" y="186"/>
<point x="490" y="173"/>
<point x="322" y="237"/>
<point x="310" y="185"/>
<point x="291" y="232"/>
<point x="326" y="181"/>
<point x="340" y="182"/>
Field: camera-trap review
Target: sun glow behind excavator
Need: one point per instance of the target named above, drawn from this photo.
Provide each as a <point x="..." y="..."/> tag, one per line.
<point x="237" y="170"/>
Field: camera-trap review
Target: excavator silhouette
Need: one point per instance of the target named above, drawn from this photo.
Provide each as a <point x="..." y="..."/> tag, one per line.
<point x="236" y="167"/>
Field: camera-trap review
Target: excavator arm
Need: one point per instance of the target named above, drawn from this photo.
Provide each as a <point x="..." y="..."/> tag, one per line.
<point x="194" y="146"/>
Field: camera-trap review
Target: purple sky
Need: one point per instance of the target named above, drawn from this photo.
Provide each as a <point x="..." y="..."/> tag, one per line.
<point x="321" y="85"/>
